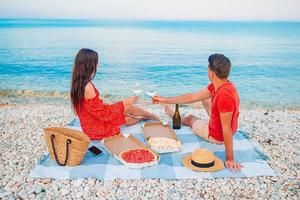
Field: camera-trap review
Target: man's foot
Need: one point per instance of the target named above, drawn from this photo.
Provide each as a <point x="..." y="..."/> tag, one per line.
<point x="169" y="111"/>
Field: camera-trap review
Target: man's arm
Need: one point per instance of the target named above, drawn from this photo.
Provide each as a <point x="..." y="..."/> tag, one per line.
<point x="183" y="99"/>
<point x="228" y="141"/>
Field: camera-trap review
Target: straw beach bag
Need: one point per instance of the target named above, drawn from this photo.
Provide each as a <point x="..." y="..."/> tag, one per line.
<point x="66" y="146"/>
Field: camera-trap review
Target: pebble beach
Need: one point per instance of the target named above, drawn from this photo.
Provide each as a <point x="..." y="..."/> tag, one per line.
<point x="22" y="144"/>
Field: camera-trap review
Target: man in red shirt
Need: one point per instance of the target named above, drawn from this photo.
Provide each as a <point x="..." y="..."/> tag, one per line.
<point x="221" y="101"/>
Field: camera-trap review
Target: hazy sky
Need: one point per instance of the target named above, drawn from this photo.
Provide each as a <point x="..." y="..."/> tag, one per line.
<point x="153" y="9"/>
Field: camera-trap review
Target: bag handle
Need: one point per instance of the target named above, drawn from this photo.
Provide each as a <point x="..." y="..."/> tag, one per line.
<point x="54" y="151"/>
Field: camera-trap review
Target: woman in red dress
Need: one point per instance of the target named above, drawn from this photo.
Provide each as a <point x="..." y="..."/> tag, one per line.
<point x="97" y="119"/>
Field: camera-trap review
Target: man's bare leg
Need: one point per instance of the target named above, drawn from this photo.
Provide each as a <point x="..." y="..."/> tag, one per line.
<point x="207" y="105"/>
<point x="187" y="121"/>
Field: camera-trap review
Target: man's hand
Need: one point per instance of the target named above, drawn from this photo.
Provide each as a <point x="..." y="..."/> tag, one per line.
<point x="158" y="99"/>
<point x="233" y="166"/>
<point x="130" y="100"/>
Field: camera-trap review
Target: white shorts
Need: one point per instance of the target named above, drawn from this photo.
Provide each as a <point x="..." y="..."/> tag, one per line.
<point x="200" y="128"/>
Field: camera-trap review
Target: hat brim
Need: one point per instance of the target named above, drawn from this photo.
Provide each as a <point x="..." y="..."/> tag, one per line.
<point x="186" y="161"/>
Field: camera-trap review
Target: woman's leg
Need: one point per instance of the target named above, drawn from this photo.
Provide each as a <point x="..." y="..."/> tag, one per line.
<point x="138" y="112"/>
<point x="131" y="120"/>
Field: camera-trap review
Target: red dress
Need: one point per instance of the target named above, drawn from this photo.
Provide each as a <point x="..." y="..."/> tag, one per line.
<point x="99" y="120"/>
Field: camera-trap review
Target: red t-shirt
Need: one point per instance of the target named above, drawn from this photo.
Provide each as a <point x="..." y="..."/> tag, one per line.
<point x="225" y="99"/>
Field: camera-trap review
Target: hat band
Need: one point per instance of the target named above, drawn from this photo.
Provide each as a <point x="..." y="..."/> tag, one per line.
<point x="205" y="165"/>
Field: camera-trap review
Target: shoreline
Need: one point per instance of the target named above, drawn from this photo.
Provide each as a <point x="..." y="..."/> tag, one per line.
<point x="21" y="97"/>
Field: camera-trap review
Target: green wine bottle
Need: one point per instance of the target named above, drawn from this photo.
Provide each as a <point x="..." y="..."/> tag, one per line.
<point x="177" y="118"/>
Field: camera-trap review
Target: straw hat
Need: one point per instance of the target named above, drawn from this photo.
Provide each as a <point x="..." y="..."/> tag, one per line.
<point x="202" y="160"/>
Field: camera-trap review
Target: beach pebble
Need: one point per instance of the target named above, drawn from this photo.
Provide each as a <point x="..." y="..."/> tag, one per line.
<point x="4" y="194"/>
<point x="91" y="181"/>
<point x="23" y="194"/>
<point x="15" y="188"/>
<point x="78" y="195"/>
<point x="78" y="182"/>
<point x="31" y="196"/>
<point x="64" y="191"/>
<point x="38" y="189"/>
<point x="46" y="180"/>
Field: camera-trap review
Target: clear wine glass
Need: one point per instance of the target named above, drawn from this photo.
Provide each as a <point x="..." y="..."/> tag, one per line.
<point x="137" y="90"/>
<point x="151" y="92"/>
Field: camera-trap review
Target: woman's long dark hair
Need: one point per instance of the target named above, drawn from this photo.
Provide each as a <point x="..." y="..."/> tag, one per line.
<point x="84" y="70"/>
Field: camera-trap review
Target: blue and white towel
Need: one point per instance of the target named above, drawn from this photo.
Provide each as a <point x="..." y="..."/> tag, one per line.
<point x="106" y="167"/>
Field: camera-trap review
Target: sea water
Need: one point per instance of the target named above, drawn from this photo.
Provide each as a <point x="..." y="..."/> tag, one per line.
<point x="154" y="57"/>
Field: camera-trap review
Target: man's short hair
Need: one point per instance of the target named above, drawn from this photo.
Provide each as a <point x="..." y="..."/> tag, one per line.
<point x="219" y="64"/>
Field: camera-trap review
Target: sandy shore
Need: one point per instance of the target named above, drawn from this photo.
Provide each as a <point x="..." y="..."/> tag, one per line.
<point x="22" y="144"/>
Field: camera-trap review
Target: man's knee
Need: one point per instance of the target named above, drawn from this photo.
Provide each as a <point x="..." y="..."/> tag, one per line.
<point x="200" y="128"/>
<point x="207" y="105"/>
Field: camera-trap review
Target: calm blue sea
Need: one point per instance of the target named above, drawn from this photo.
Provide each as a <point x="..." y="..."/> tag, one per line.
<point x="166" y="57"/>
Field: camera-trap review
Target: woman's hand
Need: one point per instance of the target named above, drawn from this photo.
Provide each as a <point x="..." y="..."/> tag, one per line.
<point x="130" y="100"/>
<point x="233" y="166"/>
<point x="158" y="99"/>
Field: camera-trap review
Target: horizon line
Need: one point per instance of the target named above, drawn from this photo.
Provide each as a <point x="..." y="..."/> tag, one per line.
<point x="148" y="19"/>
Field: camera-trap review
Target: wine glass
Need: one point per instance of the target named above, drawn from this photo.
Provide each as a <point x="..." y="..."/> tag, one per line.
<point x="137" y="90"/>
<point x="151" y="94"/>
<point x="151" y="91"/>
